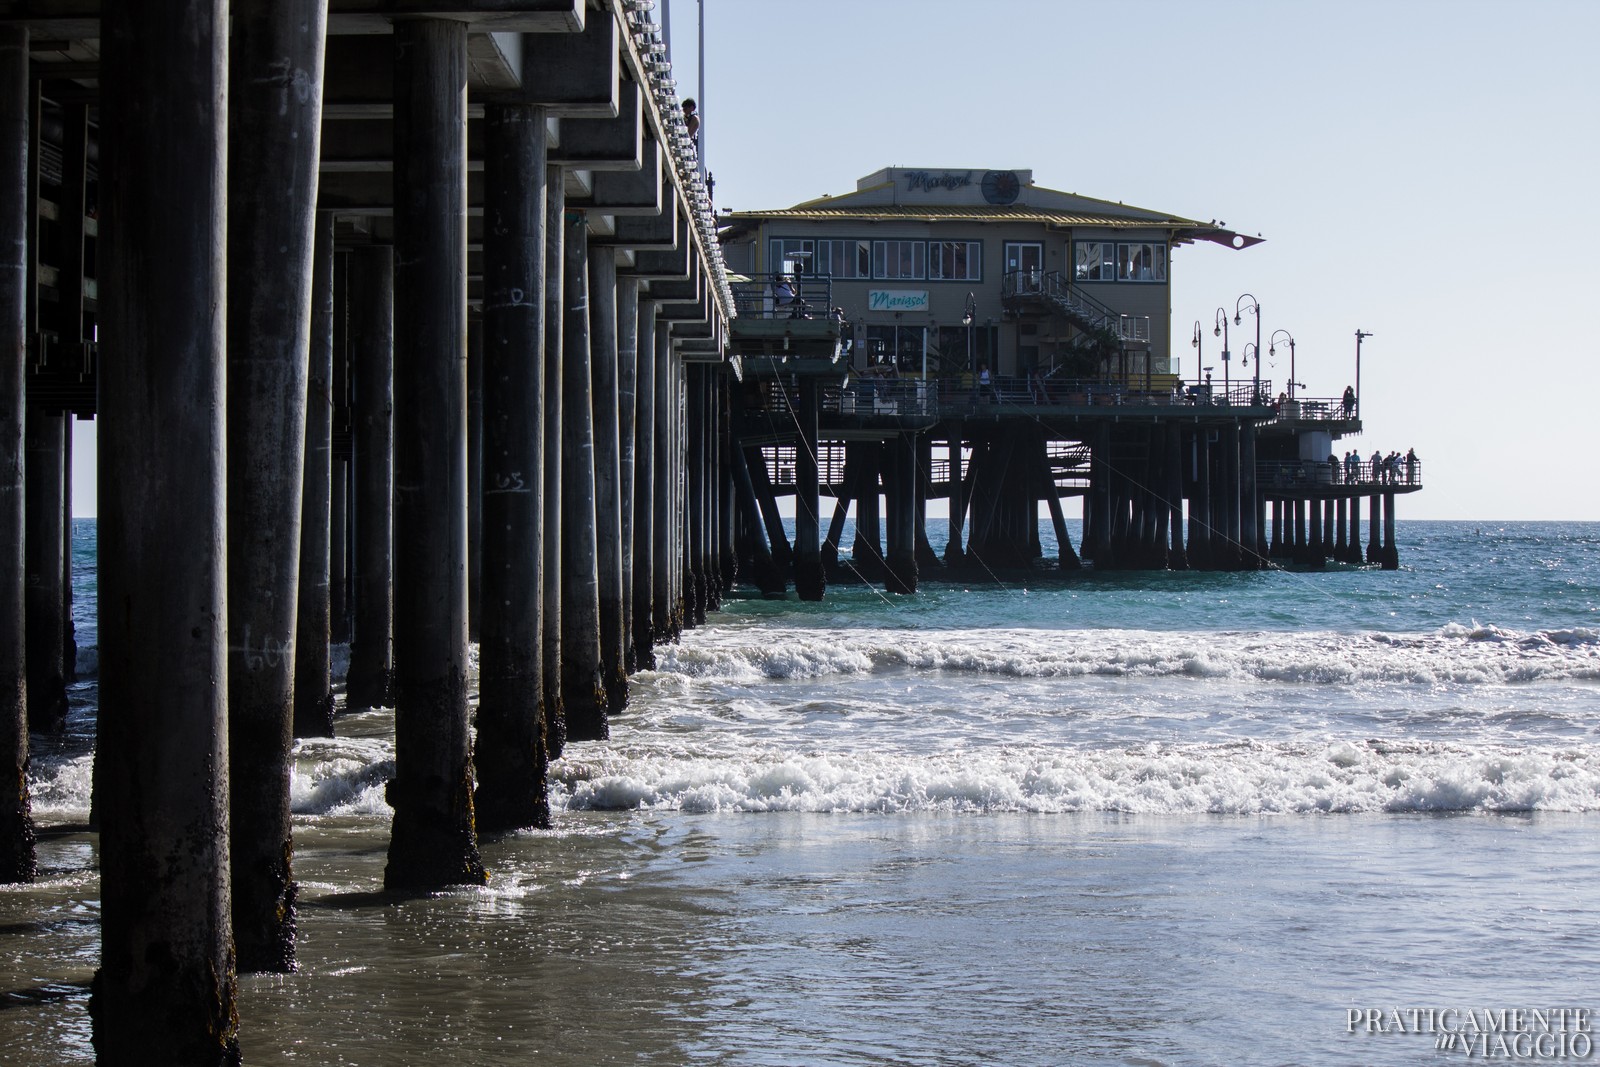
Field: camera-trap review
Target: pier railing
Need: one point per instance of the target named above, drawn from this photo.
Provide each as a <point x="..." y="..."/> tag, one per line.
<point x="887" y="393"/>
<point x="783" y="296"/>
<point x="1313" y="409"/>
<point x="1310" y="473"/>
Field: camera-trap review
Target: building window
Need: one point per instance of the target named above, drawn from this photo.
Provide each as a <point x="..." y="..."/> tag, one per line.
<point x="797" y="251"/>
<point x="844" y="259"/>
<point x="899" y="259"/>
<point x="1120" y="261"/>
<point x="955" y="261"/>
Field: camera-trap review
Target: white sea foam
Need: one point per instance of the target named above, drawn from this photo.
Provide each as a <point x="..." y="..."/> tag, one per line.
<point x="341" y="775"/>
<point x="1244" y="778"/>
<point x="1453" y="654"/>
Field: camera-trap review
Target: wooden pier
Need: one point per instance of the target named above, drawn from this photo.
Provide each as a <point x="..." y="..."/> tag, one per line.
<point x="407" y="321"/>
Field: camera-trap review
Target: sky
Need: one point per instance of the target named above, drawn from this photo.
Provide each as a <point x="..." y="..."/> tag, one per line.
<point x="1424" y="170"/>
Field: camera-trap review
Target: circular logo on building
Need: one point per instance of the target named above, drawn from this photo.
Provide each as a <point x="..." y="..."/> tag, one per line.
<point x="1001" y="186"/>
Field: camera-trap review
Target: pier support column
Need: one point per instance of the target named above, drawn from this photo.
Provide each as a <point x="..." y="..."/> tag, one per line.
<point x="1098" y="535"/>
<point x="1316" y="549"/>
<point x="1200" y="503"/>
<point x="692" y="554"/>
<point x="644" y="490"/>
<point x="339" y="548"/>
<point x="1251" y="518"/>
<point x="866" y="552"/>
<point x="555" y="717"/>
<point x="474" y="477"/>
<point x="603" y="316"/>
<point x="166" y="990"/>
<point x="1391" y="553"/>
<point x="17" y="859"/>
<point x="900" y="453"/>
<point x="809" y="581"/>
<point x="953" y="554"/>
<point x="1277" y="528"/>
<point x="1352" y="551"/>
<point x="665" y="476"/>
<point x="583" y="693"/>
<point x="923" y="475"/>
<point x="370" y="281"/>
<point x="1229" y="550"/>
<point x="1339" y="547"/>
<point x="313" y="676"/>
<point x="1375" y="508"/>
<point x="46" y="597"/>
<point x="433" y="842"/>
<point x="511" y="754"/>
<point x="628" y="315"/>
<point x="274" y="114"/>
<point x="1177" y="558"/>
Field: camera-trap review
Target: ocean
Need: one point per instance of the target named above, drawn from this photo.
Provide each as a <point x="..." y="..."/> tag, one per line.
<point x="1309" y="818"/>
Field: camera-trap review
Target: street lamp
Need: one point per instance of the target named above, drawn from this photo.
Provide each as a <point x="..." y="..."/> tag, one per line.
<point x="1361" y="335"/>
<point x="1199" y="354"/>
<point x="1221" y="330"/>
<point x="1272" y="350"/>
<point x="967" y="317"/>
<point x="1255" y="309"/>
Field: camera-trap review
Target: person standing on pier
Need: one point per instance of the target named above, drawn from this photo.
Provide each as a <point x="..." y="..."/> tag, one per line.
<point x="1349" y="401"/>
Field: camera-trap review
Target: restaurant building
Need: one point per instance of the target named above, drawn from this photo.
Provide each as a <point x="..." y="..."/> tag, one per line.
<point x="940" y="270"/>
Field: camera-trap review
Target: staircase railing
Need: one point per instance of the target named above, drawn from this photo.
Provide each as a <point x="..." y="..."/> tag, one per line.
<point x="1081" y="308"/>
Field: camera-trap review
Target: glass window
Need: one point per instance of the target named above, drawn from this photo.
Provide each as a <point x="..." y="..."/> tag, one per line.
<point x="1124" y="261"/>
<point x="899" y="259"/>
<point x="800" y="252"/>
<point x="844" y="259"/>
<point x="955" y="261"/>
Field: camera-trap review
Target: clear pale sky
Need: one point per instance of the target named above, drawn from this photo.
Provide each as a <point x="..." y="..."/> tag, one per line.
<point x="1425" y="170"/>
<point x="1422" y="169"/>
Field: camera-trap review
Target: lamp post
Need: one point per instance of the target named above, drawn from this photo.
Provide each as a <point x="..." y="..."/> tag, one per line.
<point x="1255" y="309"/>
<point x="1220" y="329"/>
<point x="1272" y="350"/>
<point x="967" y="318"/>
<point x="1361" y="335"/>
<point x="1199" y="353"/>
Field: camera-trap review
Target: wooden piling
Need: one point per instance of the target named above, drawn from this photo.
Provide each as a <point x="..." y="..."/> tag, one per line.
<point x="274" y="115"/>
<point x="45" y="598"/>
<point x="644" y="489"/>
<point x="809" y="581"/>
<point x="370" y="281"/>
<point x="666" y="474"/>
<point x="474" y="477"/>
<point x="583" y="693"/>
<point x="512" y="755"/>
<point x="1200" y="503"/>
<point x="606" y="398"/>
<point x="1391" y="553"/>
<point x="166" y="990"/>
<point x="628" y="323"/>
<point x="900" y="454"/>
<point x="554" y="315"/>
<point x="313" y="676"/>
<point x="17" y="856"/>
<point x="433" y="841"/>
<point x="953" y="547"/>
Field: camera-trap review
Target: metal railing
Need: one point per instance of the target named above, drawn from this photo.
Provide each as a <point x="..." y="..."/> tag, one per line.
<point x="890" y="394"/>
<point x="1308" y="473"/>
<point x="784" y="296"/>
<point x="1313" y="409"/>
<point x="1083" y="309"/>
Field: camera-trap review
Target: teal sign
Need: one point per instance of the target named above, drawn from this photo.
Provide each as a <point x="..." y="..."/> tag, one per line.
<point x="897" y="300"/>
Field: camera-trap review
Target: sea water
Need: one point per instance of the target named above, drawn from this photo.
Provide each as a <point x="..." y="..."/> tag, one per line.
<point x="1289" y="817"/>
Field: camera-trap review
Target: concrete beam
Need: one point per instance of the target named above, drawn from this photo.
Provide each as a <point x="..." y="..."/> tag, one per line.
<point x="638" y="192"/>
<point x="606" y="143"/>
<point x="574" y="74"/>
<point x="666" y="231"/>
<point x="527" y="16"/>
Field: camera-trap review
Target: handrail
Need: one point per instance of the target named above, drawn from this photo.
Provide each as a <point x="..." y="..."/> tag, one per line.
<point x="954" y="395"/>
<point x="1313" y="409"/>
<point x="781" y="296"/>
<point x="1054" y="287"/>
<point x="1393" y="469"/>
